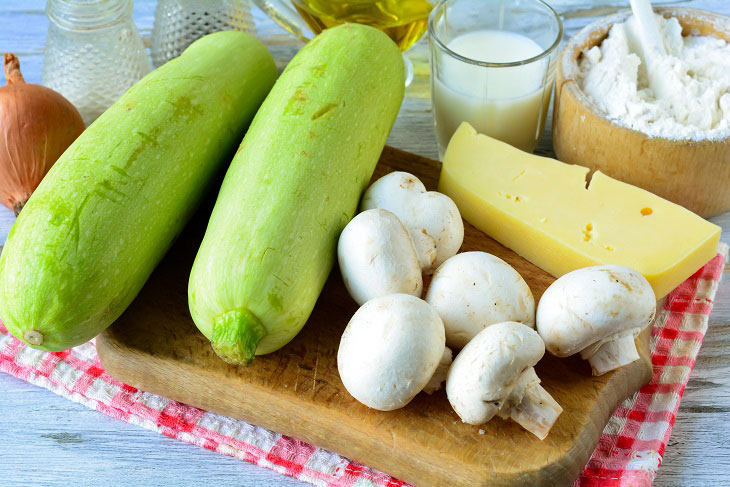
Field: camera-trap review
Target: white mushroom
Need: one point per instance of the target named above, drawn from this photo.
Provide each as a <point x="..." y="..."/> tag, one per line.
<point x="377" y="257"/>
<point x="390" y="350"/>
<point x="425" y="247"/>
<point x="494" y="375"/>
<point x="435" y="213"/>
<point x="597" y="311"/>
<point x="439" y="376"/>
<point x="473" y="290"/>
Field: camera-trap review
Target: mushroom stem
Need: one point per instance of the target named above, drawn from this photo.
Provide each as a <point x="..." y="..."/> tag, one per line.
<point x="425" y="247"/>
<point x="530" y="406"/>
<point x="537" y="412"/>
<point x="525" y="381"/>
<point x="613" y="354"/>
<point x="440" y="373"/>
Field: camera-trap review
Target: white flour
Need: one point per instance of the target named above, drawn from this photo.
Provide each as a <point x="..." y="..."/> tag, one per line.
<point x="697" y="71"/>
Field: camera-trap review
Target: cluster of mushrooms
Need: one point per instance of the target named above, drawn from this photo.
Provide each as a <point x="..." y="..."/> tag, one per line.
<point x="397" y="344"/>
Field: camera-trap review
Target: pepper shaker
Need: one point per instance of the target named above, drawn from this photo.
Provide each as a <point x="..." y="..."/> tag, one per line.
<point x="180" y="22"/>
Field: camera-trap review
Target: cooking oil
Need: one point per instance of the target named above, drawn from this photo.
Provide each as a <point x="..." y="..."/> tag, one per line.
<point x="405" y="21"/>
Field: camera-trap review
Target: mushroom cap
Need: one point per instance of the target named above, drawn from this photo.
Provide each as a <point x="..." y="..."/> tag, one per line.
<point x="395" y="192"/>
<point x="474" y="290"/>
<point x="377" y="257"/>
<point x="484" y="373"/>
<point x="593" y="305"/>
<point x="406" y="196"/>
<point x="390" y="350"/>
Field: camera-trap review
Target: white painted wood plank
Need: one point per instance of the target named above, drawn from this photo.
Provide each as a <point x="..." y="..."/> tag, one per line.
<point x="6" y="222"/>
<point x="49" y="440"/>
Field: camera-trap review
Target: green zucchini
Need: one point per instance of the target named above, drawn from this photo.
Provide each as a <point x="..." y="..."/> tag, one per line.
<point x="290" y="190"/>
<point x="109" y="209"/>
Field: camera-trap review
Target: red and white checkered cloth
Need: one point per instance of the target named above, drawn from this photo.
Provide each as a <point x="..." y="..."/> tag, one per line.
<point x="629" y="452"/>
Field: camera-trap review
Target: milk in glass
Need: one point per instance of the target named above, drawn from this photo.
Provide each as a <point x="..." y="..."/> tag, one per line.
<point x="505" y="102"/>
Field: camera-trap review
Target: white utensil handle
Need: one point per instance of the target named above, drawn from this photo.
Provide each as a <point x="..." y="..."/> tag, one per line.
<point x="650" y="37"/>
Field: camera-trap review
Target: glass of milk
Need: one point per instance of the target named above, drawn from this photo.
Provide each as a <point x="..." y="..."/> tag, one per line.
<point x="493" y="65"/>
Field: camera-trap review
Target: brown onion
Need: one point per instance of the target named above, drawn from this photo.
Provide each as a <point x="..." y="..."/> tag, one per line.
<point x="37" y="125"/>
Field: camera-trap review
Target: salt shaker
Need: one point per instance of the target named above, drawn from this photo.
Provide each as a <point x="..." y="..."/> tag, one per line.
<point x="179" y="22"/>
<point x="93" y="53"/>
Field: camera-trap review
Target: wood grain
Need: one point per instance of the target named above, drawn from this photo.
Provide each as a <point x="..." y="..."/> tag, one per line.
<point x="297" y="390"/>
<point x="693" y="174"/>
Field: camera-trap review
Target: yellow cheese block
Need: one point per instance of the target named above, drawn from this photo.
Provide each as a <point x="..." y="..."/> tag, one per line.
<point x="545" y="211"/>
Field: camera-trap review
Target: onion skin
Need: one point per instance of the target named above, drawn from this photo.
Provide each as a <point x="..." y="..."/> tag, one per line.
<point x="37" y="125"/>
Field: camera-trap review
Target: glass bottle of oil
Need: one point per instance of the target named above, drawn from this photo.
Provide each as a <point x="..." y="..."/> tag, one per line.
<point x="405" y="21"/>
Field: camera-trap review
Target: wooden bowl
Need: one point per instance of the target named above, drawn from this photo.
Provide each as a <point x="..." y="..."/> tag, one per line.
<point x="694" y="174"/>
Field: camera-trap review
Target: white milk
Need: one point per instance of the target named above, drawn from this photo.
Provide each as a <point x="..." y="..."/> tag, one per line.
<point x="508" y="103"/>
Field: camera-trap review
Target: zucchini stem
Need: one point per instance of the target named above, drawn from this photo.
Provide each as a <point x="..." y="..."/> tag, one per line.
<point x="236" y="334"/>
<point x="33" y="337"/>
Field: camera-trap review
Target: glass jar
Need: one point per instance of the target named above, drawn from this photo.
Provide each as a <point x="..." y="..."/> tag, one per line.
<point x="493" y="65"/>
<point x="180" y="22"/>
<point x="93" y="53"/>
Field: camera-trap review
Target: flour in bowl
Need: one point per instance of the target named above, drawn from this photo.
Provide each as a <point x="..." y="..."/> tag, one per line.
<point x="696" y="70"/>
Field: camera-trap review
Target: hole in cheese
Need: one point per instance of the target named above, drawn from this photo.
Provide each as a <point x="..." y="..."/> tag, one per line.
<point x="587" y="235"/>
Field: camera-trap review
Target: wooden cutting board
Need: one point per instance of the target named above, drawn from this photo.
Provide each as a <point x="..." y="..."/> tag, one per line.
<point x="297" y="391"/>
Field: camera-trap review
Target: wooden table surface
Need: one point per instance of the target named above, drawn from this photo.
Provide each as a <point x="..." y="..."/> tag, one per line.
<point x="48" y="440"/>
